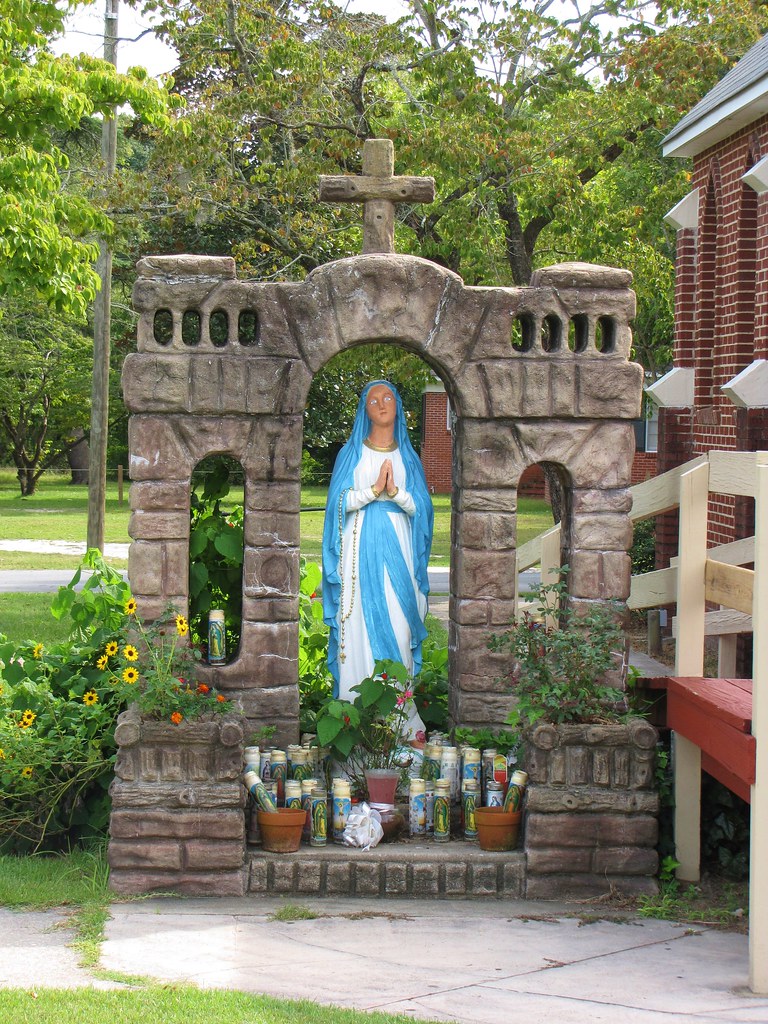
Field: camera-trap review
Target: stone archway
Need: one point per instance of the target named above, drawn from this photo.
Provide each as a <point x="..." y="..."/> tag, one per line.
<point x="539" y="400"/>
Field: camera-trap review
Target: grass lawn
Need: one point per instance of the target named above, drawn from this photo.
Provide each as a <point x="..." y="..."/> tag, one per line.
<point x="59" y="511"/>
<point x="172" y="1004"/>
<point x="28" y="617"/>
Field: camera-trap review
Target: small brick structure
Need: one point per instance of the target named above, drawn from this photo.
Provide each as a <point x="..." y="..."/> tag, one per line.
<point x="591" y="810"/>
<point x="178" y="807"/>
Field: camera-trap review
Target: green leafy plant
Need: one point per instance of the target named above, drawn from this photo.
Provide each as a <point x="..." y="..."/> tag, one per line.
<point x="558" y="673"/>
<point x="371" y="731"/>
<point x="506" y="742"/>
<point x="155" y="667"/>
<point x="216" y="555"/>
<point x="430" y="686"/>
<point x="315" y="681"/>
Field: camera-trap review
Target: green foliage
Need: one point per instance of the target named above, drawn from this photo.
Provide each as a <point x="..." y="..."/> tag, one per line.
<point x="643" y="551"/>
<point x="315" y="681"/>
<point x="216" y="554"/>
<point x="371" y="730"/>
<point x="45" y="371"/>
<point x="724" y="830"/>
<point x="558" y="672"/>
<point x="155" y="667"/>
<point x="506" y="742"/>
<point x="46" y="232"/>
<point x="57" y="717"/>
<point x="430" y="686"/>
<point x="541" y="128"/>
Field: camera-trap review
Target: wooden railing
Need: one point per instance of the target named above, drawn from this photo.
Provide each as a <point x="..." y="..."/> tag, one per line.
<point x="698" y="576"/>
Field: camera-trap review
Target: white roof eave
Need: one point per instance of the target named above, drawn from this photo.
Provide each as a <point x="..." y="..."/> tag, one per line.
<point x="716" y="125"/>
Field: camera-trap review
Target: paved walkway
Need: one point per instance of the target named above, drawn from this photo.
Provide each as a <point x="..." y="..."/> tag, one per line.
<point x="466" y="962"/>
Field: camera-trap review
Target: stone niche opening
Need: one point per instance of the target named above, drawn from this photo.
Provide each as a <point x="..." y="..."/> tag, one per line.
<point x="216" y="547"/>
<point x="241" y="388"/>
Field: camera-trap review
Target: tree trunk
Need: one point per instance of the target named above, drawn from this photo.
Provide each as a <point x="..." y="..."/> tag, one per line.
<point x="77" y="457"/>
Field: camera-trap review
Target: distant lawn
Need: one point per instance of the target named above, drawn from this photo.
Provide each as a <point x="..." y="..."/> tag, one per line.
<point x="59" y="511"/>
<point x="28" y="617"/>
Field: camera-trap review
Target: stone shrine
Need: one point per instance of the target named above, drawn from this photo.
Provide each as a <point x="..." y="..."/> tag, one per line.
<point x="535" y="375"/>
<point x="540" y="374"/>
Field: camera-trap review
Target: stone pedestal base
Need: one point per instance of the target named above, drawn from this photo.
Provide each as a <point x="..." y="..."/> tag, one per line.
<point x="591" y="822"/>
<point x="178" y="820"/>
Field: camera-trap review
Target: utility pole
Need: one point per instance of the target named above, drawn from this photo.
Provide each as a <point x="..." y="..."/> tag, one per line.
<point x="102" y="312"/>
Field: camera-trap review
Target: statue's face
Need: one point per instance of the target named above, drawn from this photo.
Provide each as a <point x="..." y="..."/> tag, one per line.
<point x="381" y="406"/>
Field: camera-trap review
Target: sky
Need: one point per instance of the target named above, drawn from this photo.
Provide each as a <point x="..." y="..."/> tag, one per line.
<point x="85" y="34"/>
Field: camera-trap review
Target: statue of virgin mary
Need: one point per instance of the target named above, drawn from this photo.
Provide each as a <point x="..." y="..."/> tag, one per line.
<point x="377" y="537"/>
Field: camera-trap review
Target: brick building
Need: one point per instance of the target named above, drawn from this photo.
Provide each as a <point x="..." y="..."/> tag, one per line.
<point x="716" y="397"/>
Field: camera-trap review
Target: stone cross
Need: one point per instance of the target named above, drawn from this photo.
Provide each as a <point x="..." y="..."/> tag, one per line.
<point x="378" y="189"/>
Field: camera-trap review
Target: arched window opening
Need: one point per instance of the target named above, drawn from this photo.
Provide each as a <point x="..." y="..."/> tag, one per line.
<point x="578" y="333"/>
<point x="605" y="335"/>
<point x="162" y="327"/>
<point x="218" y="328"/>
<point x="216" y="552"/>
<point x="248" y="328"/>
<point x="190" y="328"/>
<point x="551" y="333"/>
<point x="523" y="332"/>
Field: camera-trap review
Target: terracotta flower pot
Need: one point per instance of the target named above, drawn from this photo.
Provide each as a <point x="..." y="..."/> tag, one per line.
<point x="281" y="830"/>
<point x="497" y="829"/>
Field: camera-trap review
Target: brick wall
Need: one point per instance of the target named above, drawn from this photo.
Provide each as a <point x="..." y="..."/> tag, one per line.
<point x="437" y="442"/>
<point x="721" y="324"/>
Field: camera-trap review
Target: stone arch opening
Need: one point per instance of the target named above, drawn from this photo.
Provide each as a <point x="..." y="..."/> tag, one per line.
<point x="216" y="551"/>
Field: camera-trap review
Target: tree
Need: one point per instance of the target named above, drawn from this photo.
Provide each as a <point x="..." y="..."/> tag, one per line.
<point x="542" y="131"/>
<point x="45" y="365"/>
<point x="45" y="230"/>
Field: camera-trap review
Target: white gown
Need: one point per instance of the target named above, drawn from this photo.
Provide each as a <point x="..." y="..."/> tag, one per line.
<point x="359" y="661"/>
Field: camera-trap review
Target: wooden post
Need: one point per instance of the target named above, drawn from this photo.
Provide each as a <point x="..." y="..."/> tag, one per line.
<point x="102" y="312"/>
<point x="551" y="560"/>
<point x="689" y="661"/>
<point x="653" y="642"/>
<point x="758" y="857"/>
<point x="120" y="484"/>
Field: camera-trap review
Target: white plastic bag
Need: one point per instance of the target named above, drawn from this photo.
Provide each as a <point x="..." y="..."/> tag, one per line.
<point x="363" y="827"/>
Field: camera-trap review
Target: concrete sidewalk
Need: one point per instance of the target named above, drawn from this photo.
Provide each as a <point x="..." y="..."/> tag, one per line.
<point x="467" y="962"/>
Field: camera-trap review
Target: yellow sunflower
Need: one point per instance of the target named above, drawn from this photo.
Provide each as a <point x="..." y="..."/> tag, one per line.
<point x="182" y="626"/>
<point x="27" y="719"/>
<point x="130" y="607"/>
<point x="2" y="754"/>
<point x="112" y="648"/>
<point x="130" y="675"/>
<point x="102" y="662"/>
<point x="130" y="653"/>
<point x="26" y="773"/>
<point x="90" y="697"/>
<point x="37" y="651"/>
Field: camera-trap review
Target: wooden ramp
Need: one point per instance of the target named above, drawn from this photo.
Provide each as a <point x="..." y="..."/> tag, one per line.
<point x="716" y="716"/>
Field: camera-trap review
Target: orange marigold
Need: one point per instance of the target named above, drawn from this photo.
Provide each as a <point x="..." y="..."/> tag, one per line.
<point x="177" y="717"/>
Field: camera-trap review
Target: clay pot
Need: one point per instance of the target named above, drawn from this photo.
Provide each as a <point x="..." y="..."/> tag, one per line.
<point x="281" y="830"/>
<point x="497" y="829"/>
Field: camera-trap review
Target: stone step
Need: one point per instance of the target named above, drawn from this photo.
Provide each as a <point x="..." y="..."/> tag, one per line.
<point x="416" y="868"/>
